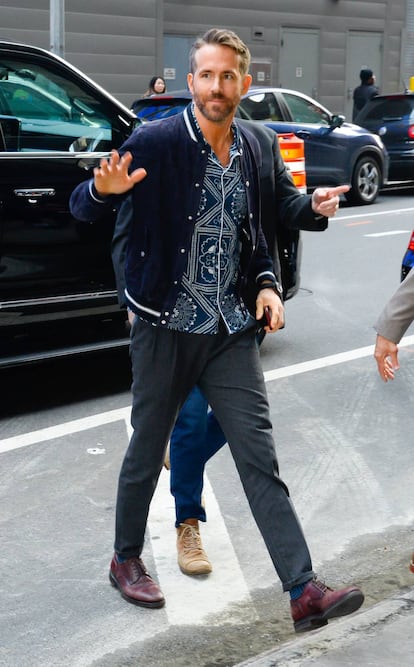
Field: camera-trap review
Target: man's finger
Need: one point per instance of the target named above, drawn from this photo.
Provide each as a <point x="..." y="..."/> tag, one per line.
<point x="138" y="175"/>
<point x="339" y="190"/>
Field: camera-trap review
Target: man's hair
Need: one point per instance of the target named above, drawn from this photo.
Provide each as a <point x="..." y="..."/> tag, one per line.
<point x="365" y="75"/>
<point x="222" y="37"/>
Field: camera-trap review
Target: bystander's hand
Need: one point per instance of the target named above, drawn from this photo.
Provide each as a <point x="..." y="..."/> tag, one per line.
<point x="386" y="356"/>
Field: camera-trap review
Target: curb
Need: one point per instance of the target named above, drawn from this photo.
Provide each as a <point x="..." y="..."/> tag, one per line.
<point x="339" y="634"/>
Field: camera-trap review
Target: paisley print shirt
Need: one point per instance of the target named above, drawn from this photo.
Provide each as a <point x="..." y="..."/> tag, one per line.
<point x="208" y="290"/>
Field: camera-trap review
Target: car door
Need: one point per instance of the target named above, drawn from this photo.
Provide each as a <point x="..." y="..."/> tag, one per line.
<point x="327" y="150"/>
<point x="324" y="147"/>
<point x="55" y="125"/>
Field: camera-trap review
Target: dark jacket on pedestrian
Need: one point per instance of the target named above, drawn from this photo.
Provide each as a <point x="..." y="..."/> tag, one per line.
<point x="364" y="92"/>
<point x="165" y="206"/>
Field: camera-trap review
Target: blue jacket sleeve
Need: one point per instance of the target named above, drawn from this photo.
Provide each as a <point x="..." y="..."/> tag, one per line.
<point x="86" y="204"/>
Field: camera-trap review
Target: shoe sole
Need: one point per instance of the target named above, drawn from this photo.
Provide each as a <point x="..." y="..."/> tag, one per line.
<point x="347" y="605"/>
<point x="199" y="573"/>
<point x="140" y="603"/>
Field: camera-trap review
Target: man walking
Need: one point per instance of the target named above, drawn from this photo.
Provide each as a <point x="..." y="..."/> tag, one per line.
<point x="194" y="243"/>
<point x="364" y="92"/>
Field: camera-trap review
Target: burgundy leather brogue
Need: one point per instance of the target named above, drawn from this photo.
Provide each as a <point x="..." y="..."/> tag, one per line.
<point x="135" y="584"/>
<point x="318" y="603"/>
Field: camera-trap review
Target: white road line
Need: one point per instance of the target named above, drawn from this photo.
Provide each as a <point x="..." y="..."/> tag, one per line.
<point x="77" y="425"/>
<point x="390" y="233"/>
<point x="373" y="214"/>
<point x="332" y="360"/>
<point x="60" y="430"/>
<point x="202" y="591"/>
<point x="193" y="600"/>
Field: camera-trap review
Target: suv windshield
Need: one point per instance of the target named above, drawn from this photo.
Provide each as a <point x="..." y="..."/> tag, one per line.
<point x="44" y="112"/>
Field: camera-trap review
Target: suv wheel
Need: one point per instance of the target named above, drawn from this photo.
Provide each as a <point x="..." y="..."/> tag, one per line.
<point x="366" y="180"/>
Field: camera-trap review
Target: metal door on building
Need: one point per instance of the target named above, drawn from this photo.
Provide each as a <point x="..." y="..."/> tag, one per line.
<point x="299" y="60"/>
<point x="363" y="50"/>
<point x="176" y="67"/>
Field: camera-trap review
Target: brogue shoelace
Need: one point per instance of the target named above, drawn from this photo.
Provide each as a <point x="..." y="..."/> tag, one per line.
<point x="321" y="586"/>
<point x="137" y="569"/>
<point x="191" y="541"/>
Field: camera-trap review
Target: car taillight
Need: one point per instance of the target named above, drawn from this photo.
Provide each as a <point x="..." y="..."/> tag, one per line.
<point x="411" y="243"/>
<point x="411" y="132"/>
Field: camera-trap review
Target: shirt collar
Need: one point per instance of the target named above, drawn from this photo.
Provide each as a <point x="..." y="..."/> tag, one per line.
<point x="196" y="134"/>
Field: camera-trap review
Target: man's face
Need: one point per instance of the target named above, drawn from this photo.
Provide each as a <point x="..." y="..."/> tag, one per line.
<point x="217" y="84"/>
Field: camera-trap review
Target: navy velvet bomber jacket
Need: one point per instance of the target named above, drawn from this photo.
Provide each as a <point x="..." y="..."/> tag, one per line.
<point x="165" y="206"/>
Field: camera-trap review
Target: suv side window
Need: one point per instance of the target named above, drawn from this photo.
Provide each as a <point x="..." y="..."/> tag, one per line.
<point x="304" y="111"/>
<point x="41" y="111"/>
<point x="262" y="106"/>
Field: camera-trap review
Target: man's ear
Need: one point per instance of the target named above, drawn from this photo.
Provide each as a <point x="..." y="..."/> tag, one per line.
<point x="247" y="82"/>
<point x="190" y="81"/>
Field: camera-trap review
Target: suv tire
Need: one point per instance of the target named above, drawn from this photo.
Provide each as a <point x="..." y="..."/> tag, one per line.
<point x="366" y="181"/>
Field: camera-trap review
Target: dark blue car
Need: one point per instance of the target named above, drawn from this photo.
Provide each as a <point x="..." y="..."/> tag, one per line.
<point x="392" y="118"/>
<point x="335" y="152"/>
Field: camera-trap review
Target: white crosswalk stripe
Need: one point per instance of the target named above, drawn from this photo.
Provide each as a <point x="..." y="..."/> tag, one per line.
<point x="210" y="596"/>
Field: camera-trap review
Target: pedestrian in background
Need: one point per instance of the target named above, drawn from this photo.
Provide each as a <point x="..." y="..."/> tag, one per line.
<point x="365" y="91"/>
<point x="194" y="242"/>
<point x="156" y="86"/>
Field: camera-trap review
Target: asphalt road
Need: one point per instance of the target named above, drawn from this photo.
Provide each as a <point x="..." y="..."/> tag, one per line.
<point x="344" y="446"/>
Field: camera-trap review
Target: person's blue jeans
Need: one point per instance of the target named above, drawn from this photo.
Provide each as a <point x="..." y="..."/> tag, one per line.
<point x="196" y="437"/>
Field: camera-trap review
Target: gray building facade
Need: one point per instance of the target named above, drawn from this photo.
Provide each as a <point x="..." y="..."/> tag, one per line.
<point x="316" y="46"/>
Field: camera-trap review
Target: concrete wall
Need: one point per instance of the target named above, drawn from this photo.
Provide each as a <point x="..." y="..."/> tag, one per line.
<point x="119" y="42"/>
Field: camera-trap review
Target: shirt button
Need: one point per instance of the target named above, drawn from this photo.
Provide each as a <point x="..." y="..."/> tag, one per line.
<point x="175" y="282"/>
<point x="251" y="216"/>
<point x="247" y="183"/>
<point x="182" y="250"/>
<point x="197" y="185"/>
<point x="163" y="322"/>
<point x="166" y="314"/>
<point x="190" y="217"/>
<point x="142" y="253"/>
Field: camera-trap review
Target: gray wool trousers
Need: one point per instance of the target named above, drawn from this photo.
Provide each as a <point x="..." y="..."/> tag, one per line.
<point x="165" y="367"/>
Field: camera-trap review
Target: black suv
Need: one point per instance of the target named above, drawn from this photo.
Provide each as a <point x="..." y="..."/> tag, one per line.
<point x="57" y="287"/>
<point x="57" y="290"/>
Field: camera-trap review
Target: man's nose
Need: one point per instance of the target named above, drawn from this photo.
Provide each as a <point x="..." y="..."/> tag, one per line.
<point x="216" y="83"/>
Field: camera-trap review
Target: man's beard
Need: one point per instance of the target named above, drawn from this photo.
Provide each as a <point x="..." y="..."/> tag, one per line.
<point x="215" y="115"/>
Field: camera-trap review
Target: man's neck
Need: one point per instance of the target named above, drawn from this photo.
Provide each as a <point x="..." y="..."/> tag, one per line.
<point x="218" y="135"/>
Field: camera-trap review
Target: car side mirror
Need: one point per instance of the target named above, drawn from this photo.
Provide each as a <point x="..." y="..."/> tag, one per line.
<point x="337" y="120"/>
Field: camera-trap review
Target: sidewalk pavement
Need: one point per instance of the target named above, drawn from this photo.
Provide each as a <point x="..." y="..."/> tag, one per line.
<point x="382" y="635"/>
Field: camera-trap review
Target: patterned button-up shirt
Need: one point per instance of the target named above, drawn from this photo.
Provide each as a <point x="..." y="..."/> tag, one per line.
<point x="208" y="289"/>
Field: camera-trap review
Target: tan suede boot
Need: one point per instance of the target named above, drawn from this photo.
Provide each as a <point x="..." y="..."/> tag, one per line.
<point x="192" y="558"/>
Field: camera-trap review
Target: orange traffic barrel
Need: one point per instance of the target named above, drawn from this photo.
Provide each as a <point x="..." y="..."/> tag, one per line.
<point x="292" y="149"/>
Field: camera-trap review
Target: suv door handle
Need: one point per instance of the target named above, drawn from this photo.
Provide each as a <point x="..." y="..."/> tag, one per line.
<point x="33" y="193"/>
